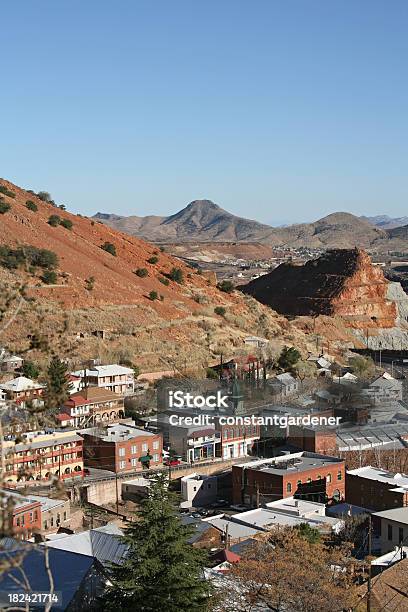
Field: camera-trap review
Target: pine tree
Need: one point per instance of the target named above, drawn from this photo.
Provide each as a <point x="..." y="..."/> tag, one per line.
<point x="162" y="570"/>
<point x="58" y="384"/>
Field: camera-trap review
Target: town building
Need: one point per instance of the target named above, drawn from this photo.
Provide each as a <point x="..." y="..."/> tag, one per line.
<point x="10" y="363"/>
<point x="376" y="489"/>
<point x="198" y="490"/>
<point x="284" y="384"/>
<point x="43" y="455"/>
<point x="195" y="442"/>
<point x="53" y="513"/>
<point x="385" y="388"/>
<point x="23" y="390"/>
<point x="393" y="528"/>
<point x="90" y="406"/>
<point x="122" y="447"/>
<point x="116" y="378"/>
<point x="289" y="512"/>
<point x="302" y="474"/>
<point x="19" y="516"/>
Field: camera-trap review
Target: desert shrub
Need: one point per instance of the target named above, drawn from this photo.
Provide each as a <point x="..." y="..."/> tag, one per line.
<point x="7" y="192"/>
<point x="49" y="277"/>
<point x="162" y="249"/>
<point x="176" y="274"/>
<point x="31" y="206"/>
<point x="220" y="310"/>
<point x="30" y="256"/>
<point x="67" y="223"/>
<point x="153" y="260"/>
<point x="109" y="248"/>
<point x="4" y="208"/>
<point x="226" y="286"/>
<point x="153" y="295"/>
<point x="141" y="272"/>
<point x="165" y="281"/>
<point x="54" y="220"/>
<point x="45" y="196"/>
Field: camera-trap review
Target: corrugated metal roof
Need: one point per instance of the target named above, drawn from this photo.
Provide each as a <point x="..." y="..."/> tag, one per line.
<point x="106" y="547"/>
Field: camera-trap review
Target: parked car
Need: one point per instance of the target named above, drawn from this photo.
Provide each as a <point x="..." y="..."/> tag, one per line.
<point x="172" y="462"/>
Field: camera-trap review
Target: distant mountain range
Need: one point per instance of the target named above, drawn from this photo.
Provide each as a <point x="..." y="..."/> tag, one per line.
<point x="386" y="222"/>
<point x="203" y="220"/>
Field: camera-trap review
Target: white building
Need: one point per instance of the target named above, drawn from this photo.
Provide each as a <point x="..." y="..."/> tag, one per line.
<point x="394" y="528"/>
<point x="113" y="377"/>
<point x="197" y="490"/>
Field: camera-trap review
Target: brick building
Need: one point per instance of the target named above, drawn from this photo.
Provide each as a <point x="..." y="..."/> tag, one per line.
<point x="20" y="516"/>
<point x="122" y="447"/>
<point x="303" y="474"/>
<point x="314" y="439"/>
<point x="43" y="455"/>
<point x="376" y="489"/>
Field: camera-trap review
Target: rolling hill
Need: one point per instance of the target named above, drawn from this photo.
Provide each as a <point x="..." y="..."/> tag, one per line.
<point x="204" y="221"/>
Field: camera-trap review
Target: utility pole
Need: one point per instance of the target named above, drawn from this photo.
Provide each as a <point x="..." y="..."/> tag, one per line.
<point x="369" y="565"/>
<point x="117" y="494"/>
<point x="257" y="496"/>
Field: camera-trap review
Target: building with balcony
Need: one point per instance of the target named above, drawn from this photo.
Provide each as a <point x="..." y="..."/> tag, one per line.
<point x="43" y="455"/>
<point x="122" y="447"/>
<point x="115" y="378"/>
<point x="90" y="406"/>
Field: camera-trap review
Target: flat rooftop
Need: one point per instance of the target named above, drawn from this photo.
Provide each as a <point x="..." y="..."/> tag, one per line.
<point x="118" y="433"/>
<point x="291" y="463"/>
<point x="398" y="482"/>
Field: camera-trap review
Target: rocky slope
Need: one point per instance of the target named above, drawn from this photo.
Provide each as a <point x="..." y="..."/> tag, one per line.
<point x="94" y="291"/>
<point x="341" y="283"/>
<point x="202" y="220"/>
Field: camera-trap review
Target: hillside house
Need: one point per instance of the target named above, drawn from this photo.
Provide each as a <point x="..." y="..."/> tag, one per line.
<point x="23" y="390"/>
<point x="116" y="378"/>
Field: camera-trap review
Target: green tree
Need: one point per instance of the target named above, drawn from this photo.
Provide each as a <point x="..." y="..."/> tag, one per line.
<point x="311" y="534"/>
<point x="153" y="295"/>
<point x="153" y="260"/>
<point x="162" y="570"/>
<point x="58" y="384"/>
<point x="363" y="367"/>
<point x="109" y="248"/>
<point x="288" y="358"/>
<point x="30" y="370"/>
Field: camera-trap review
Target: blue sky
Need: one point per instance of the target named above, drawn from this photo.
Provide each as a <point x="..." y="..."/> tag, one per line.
<point x="280" y="111"/>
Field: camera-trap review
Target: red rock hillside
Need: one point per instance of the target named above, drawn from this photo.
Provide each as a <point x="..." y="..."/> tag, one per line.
<point x="341" y="282"/>
<point x="94" y="290"/>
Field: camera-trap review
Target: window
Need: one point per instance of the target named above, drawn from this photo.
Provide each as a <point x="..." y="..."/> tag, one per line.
<point x="144" y="447"/>
<point x="122" y="451"/>
<point x="156" y="457"/>
<point x="133" y="449"/>
<point x="328" y="478"/>
<point x="35" y="515"/>
<point x="156" y="444"/>
<point x="390" y="532"/>
<point x="339" y="475"/>
<point x="288" y="488"/>
<point x="400" y="535"/>
<point x="52" y="521"/>
<point x="18" y="521"/>
<point x="122" y="465"/>
<point x="299" y="482"/>
<point x="45" y="525"/>
<point x="134" y="462"/>
<point x="65" y="516"/>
